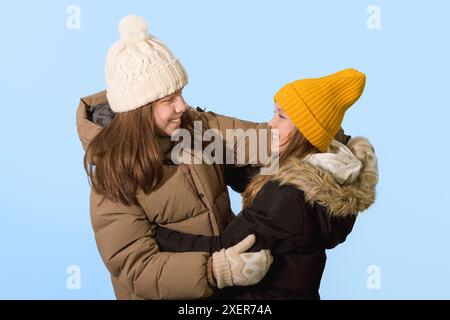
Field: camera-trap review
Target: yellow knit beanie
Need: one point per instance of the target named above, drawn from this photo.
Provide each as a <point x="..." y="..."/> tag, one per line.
<point x="317" y="106"/>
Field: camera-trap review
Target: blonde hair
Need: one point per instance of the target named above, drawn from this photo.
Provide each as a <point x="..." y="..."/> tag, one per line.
<point x="296" y="146"/>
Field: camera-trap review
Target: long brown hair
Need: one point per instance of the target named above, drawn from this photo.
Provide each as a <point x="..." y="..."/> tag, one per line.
<point x="296" y="146"/>
<point x="123" y="157"/>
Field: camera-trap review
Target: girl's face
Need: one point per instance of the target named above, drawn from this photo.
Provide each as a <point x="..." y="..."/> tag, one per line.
<point x="284" y="125"/>
<point x="168" y="112"/>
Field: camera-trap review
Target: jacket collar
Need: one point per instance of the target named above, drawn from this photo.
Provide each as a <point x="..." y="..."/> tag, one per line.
<point x="87" y="129"/>
<point x="319" y="186"/>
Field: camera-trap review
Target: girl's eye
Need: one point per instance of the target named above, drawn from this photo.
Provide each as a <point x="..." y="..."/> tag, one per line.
<point x="281" y="116"/>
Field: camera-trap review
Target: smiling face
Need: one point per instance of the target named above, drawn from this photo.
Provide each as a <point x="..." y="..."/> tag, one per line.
<point x="283" y="123"/>
<point x="168" y="112"/>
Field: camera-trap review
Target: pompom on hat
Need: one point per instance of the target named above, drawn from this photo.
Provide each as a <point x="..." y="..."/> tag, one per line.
<point x="139" y="68"/>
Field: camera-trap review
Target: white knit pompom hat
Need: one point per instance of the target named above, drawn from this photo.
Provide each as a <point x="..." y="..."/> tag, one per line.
<point x="139" y="69"/>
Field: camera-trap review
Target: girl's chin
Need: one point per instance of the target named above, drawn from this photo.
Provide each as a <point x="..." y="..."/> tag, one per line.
<point x="173" y="129"/>
<point x="275" y="150"/>
<point x="175" y="132"/>
<point x="275" y="146"/>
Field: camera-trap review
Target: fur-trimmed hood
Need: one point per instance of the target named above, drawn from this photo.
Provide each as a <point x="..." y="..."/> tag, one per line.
<point x="320" y="186"/>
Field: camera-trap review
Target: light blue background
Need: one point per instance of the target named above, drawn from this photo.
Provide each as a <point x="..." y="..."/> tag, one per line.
<point x="237" y="53"/>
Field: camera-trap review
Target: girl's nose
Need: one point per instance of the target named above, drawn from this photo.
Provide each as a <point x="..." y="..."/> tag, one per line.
<point x="272" y="122"/>
<point x="180" y="105"/>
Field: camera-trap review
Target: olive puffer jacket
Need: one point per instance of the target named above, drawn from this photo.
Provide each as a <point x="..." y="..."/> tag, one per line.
<point x="192" y="198"/>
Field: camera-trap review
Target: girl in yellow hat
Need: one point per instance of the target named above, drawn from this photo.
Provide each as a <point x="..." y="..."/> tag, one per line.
<point x="309" y="205"/>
